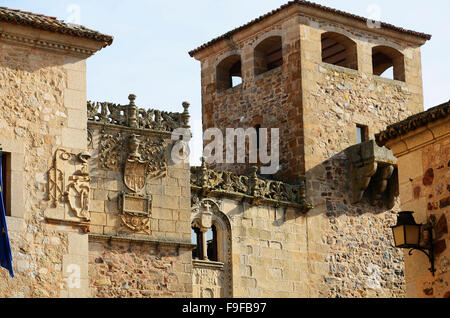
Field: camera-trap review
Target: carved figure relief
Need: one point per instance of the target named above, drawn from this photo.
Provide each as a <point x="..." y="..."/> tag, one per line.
<point x="78" y="196"/>
<point x="56" y="178"/>
<point x="75" y="189"/>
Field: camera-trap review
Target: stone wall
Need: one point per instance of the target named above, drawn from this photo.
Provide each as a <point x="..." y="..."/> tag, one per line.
<point x="335" y="250"/>
<point x="43" y="93"/>
<point x="349" y="245"/>
<point x="269" y="251"/>
<point x="424" y="176"/>
<point x="139" y="270"/>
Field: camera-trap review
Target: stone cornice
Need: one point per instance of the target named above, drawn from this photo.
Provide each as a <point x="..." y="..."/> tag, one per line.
<point x="160" y="242"/>
<point x="413" y="123"/>
<point x="46" y="44"/>
<point x="420" y="138"/>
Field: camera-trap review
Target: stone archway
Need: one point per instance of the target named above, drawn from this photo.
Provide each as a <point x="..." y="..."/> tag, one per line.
<point x="212" y="277"/>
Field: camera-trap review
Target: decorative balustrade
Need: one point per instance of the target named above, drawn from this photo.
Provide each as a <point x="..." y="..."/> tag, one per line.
<point x="132" y="116"/>
<point x="209" y="182"/>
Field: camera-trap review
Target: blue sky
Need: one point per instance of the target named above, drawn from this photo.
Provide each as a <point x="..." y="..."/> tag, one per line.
<point x="149" y="56"/>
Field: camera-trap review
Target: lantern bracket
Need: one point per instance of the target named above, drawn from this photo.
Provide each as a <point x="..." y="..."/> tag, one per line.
<point x="428" y="251"/>
<point x="429" y="254"/>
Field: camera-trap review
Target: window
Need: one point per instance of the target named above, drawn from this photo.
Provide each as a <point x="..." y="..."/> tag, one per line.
<point x="229" y="73"/>
<point x="211" y="238"/>
<point x="197" y="239"/>
<point x="388" y="62"/>
<point x="337" y="49"/>
<point x="362" y="133"/>
<point x="6" y="181"/>
<point x="268" y="55"/>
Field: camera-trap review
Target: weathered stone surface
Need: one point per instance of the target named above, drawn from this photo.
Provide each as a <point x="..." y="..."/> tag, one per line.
<point x="138" y="270"/>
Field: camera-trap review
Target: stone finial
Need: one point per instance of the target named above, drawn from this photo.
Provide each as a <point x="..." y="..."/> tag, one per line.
<point x="132" y="112"/>
<point x="132" y="98"/>
<point x="186" y="115"/>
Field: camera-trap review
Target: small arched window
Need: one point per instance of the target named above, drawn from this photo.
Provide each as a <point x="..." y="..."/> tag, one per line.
<point x="337" y="49"/>
<point x="388" y="62"/>
<point x="229" y="73"/>
<point x="268" y="55"/>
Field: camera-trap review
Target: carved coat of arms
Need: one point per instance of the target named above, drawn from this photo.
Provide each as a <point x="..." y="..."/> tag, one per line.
<point x="135" y="174"/>
<point x="136" y="206"/>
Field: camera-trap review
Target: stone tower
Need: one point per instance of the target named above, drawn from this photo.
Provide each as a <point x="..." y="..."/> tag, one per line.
<point x="312" y="72"/>
<point x="315" y="74"/>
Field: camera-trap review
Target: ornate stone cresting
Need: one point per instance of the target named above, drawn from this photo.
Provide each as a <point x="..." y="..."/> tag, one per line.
<point x="208" y="182"/>
<point x="133" y="117"/>
<point x="374" y="171"/>
<point x="71" y="189"/>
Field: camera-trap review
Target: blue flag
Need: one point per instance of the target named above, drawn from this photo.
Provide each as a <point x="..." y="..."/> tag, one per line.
<point x="5" y="248"/>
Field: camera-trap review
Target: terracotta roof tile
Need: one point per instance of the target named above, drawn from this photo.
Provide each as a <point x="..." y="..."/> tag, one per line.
<point x="305" y="4"/>
<point x="412" y="123"/>
<point x="52" y="24"/>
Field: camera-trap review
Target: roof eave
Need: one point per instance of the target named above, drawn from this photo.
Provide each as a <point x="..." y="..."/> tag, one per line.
<point x="416" y="38"/>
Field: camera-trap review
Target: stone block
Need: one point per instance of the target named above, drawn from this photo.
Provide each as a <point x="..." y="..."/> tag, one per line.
<point x="76" y="80"/>
<point x="78" y="244"/>
<point x="97" y="206"/>
<point x="166" y="226"/>
<point x="77" y="119"/>
<point x="98" y="219"/>
<point x="75" y="100"/>
<point x="74" y="138"/>
<point x="75" y="267"/>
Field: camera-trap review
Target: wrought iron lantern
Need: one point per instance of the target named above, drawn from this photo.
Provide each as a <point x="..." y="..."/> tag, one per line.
<point x="408" y="235"/>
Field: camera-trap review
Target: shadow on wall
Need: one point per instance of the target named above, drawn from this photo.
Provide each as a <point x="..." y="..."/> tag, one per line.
<point x="331" y="190"/>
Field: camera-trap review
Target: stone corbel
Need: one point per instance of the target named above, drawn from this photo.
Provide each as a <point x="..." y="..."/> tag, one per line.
<point x="374" y="170"/>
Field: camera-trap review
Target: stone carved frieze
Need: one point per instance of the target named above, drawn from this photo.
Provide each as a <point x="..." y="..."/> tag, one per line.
<point x="374" y="171"/>
<point x="110" y="151"/>
<point x="147" y="152"/>
<point x="253" y="187"/>
<point x="132" y="116"/>
<point x="69" y="182"/>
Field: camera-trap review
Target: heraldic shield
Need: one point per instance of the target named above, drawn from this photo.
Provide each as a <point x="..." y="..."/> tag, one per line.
<point x="135" y="174"/>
